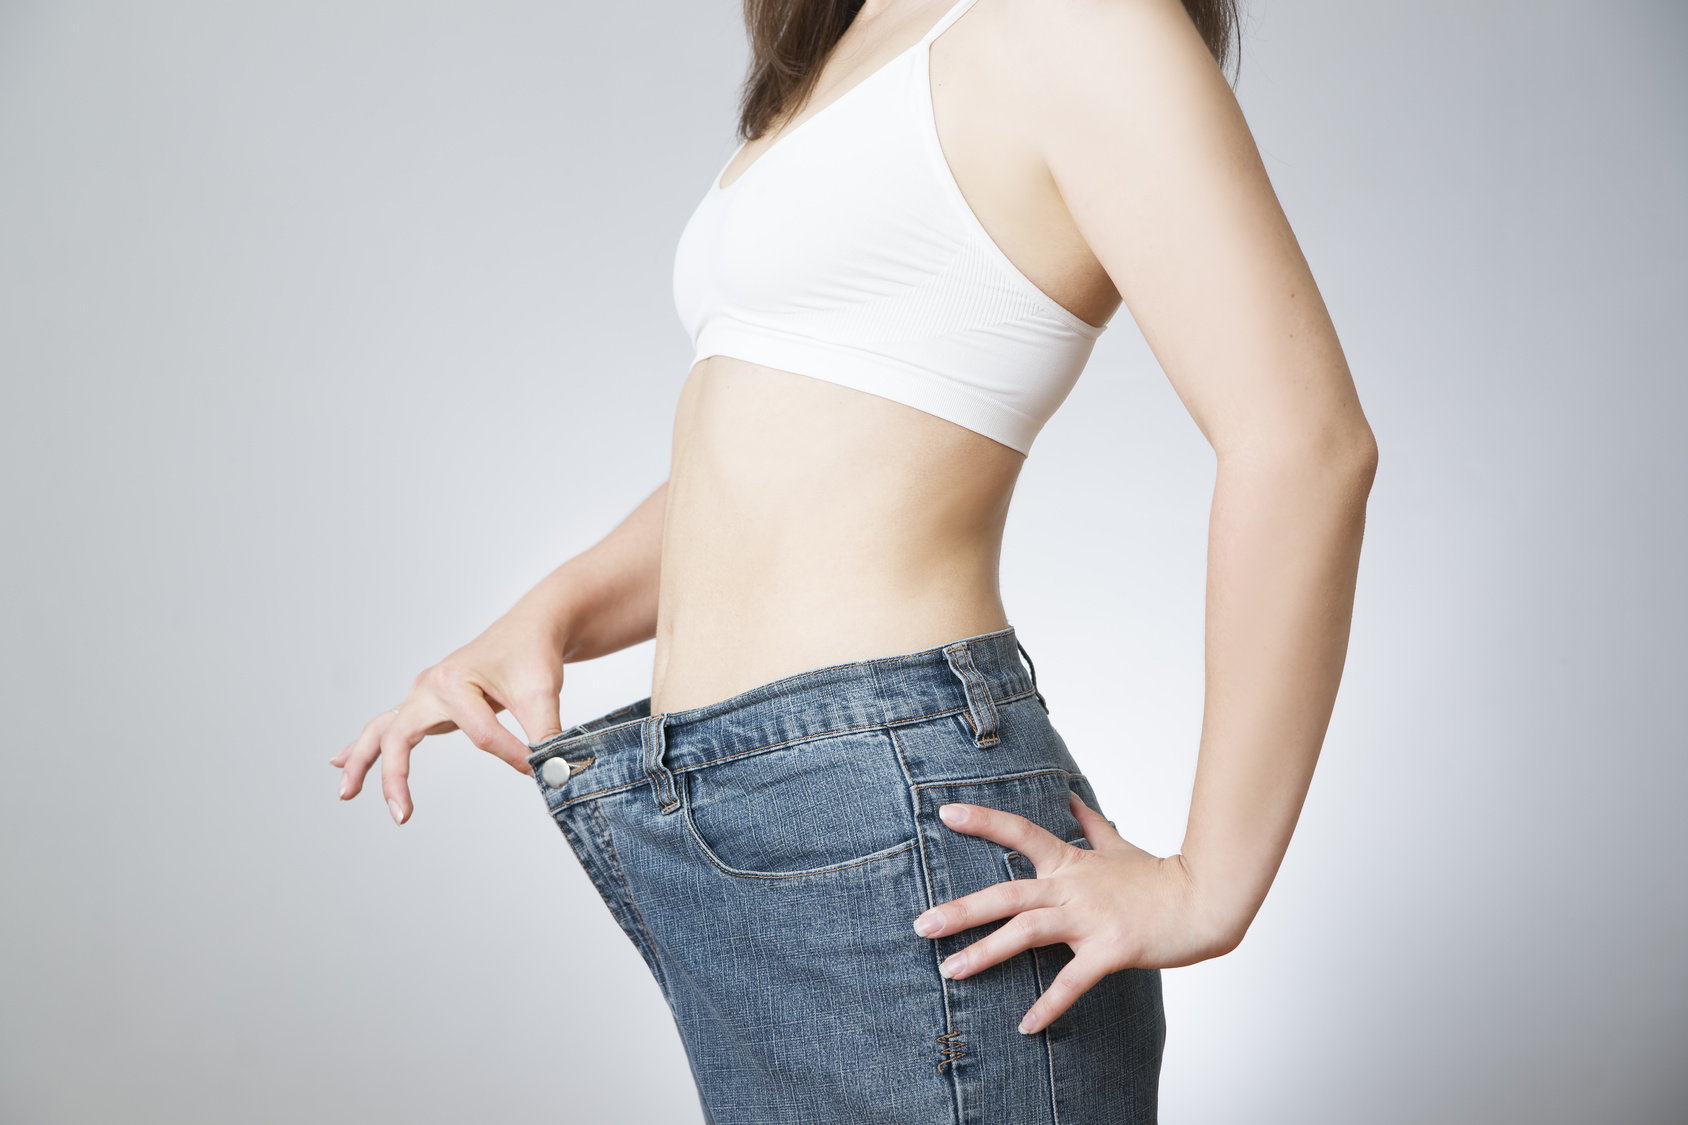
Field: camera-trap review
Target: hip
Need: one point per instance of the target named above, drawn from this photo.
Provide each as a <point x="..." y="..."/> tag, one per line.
<point x="768" y="855"/>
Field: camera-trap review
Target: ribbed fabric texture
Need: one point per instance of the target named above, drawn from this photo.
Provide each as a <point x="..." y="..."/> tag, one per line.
<point x="846" y="252"/>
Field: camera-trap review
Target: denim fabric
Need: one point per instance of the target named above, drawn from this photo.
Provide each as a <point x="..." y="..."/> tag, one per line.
<point x="768" y="855"/>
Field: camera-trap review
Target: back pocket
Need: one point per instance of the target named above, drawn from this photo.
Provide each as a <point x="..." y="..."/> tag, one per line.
<point x="831" y="802"/>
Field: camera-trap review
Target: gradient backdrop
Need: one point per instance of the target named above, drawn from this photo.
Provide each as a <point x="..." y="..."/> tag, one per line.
<point x="327" y="328"/>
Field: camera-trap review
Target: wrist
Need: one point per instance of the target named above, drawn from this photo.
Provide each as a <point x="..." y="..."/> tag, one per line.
<point x="1221" y="910"/>
<point x="545" y="612"/>
<point x="573" y="608"/>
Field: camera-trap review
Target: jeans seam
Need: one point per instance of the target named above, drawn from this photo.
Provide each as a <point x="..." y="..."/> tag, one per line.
<point x="913" y="796"/>
<point x="626" y="889"/>
<point x="1010" y="860"/>
<point x="1048" y="1047"/>
<point x="931" y="901"/>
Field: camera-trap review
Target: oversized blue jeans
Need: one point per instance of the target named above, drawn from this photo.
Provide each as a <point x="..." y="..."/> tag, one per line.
<point x="768" y="855"/>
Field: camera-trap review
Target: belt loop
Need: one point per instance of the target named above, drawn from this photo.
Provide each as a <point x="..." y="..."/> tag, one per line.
<point x="1027" y="657"/>
<point x="981" y="709"/>
<point x="655" y="742"/>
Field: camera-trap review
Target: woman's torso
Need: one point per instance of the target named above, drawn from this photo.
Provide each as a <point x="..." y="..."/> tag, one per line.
<point x="808" y="522"/>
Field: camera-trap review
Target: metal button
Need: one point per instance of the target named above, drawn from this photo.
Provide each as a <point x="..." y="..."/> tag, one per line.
<point x="556" y="772"/>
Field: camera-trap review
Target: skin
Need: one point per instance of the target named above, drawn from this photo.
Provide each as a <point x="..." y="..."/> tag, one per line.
<point x="805" y="524"/>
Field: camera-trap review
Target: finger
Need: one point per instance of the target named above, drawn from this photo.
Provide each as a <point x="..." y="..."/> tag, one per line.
<point x="356" y="759"/>
<point x="1079" y="977"/>
<point x="380" y="720"/>
<point x="473" y="715"/>
<point x="1039" y="845"/>
<point x="539" y="715"/>
<point x="1025" y="931"/>
<point x="1101" y="834"/>
<point x="998" y="901"/>
<point x="396" y="744"/>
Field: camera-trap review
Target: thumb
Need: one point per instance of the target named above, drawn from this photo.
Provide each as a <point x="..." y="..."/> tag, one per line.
<point x="1097" y="828"/>
<point x="538" y="715"/>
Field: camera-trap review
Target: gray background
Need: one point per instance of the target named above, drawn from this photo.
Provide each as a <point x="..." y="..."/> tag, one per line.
<point x="327" y="328"/>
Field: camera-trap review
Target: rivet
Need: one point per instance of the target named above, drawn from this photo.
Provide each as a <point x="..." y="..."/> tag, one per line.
<point x="556" y="772"/>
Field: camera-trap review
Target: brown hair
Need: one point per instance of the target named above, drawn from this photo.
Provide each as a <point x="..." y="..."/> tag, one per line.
<point x="790" y="40"/>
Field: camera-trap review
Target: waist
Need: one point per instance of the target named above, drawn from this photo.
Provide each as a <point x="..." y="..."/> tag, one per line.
<point x="809" y="524"/>
<point x="968" y="677"/>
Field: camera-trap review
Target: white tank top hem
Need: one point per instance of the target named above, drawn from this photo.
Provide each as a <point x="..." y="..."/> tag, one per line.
<point x="846" y="252"/>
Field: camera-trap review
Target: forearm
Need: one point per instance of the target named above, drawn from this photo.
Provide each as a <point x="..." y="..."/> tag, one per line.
<point x="1283" y="553"/>
<point x="604" y="599"/>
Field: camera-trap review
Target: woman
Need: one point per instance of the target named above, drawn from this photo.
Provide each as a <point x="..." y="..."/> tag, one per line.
<point x="869" y="877"/>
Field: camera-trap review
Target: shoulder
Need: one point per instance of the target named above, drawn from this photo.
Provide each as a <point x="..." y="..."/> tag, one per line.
<point x="1088" y="16"/>
<point x="1113" y="88"/>
<point x="1067" y="49"/>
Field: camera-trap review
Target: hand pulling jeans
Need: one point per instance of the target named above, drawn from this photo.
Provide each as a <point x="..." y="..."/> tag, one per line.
<point x="768" y="855"/>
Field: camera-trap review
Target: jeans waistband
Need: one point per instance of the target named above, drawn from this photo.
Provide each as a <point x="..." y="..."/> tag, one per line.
<point x="632" y="747"/>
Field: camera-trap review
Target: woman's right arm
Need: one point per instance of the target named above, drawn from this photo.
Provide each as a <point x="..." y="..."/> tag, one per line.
<point x="597" y="603"/>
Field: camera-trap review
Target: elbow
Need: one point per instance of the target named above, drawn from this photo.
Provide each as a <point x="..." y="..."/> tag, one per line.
<point x="1342" y="466"/>
<point x="1335" y="457"/>
<point x="1341" y="450"/>
<point x="1357" y="460"/>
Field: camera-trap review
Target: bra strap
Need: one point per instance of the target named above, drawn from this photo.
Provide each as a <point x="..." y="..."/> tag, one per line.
<point x="949" y="17"/>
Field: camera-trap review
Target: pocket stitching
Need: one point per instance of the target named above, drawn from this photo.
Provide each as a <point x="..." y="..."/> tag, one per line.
<point x="686" y="811"/>
<point x="957" y="783"/>
<point x="741" y="873"/>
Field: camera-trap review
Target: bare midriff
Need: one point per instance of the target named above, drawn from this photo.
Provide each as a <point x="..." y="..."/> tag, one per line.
<point x="810" y="524"/>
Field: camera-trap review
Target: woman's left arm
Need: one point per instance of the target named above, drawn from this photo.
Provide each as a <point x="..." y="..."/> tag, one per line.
<point x="1143" y="138"/>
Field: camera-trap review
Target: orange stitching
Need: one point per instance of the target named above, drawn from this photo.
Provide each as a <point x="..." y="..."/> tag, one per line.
<point x="993" y="780"/>
<point x="575" y="800"/>
<point x="910" y="721"/>
<point x="725" y="868"/>
<point x="846" y="730"/>
<point x="953" y="1047"/>
<point x="814" y="738"/>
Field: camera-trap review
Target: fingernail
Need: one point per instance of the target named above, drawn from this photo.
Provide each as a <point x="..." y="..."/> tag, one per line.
<point x="345" y="784"/>
<point x="954" y="967"/>
<point x="929" y="923"/>
<point x="398" y="813"/>
<point x="1027" y="1026"/>
<point x="952" y="814"/>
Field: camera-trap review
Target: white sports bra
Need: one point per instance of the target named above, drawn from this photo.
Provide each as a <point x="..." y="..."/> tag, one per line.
<point x="846" y="252"/>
